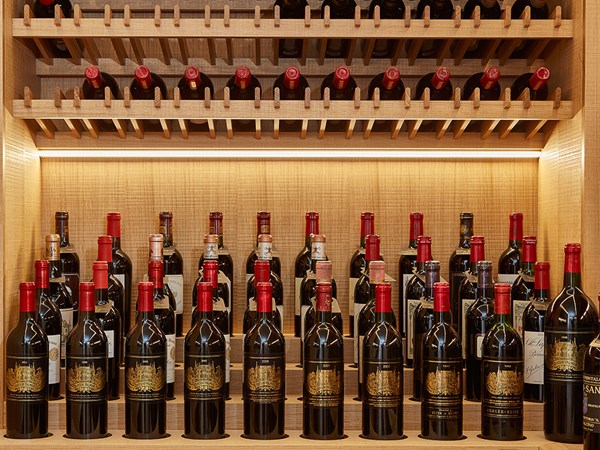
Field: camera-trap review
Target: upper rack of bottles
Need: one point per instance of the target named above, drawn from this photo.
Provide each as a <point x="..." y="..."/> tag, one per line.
<point x="107" y="39"/>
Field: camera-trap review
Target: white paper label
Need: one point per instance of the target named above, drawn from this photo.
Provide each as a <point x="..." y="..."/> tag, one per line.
<point x="228" y="357"/>
<point x="280" y="309"/>
<point x="317" y="251"/>
<point x="405" y="279"/>
<point x="518" y="310"/>
<point x="252" y="304"/>
<point x="413" y="304"/>
<point x="110" y="338"/>
<point x="466" y="304"/>
<point x="211" y="251"/>
<point x="361" y="355"/>
<point x="170" y="358"/>
<point x="224" y="279"/>
<point x="507" y="278"/>
<point x="297" y="296"/>
<point x="54" y="359"/>
<point x="357" y="309"/>
<point x="303" y="329"/>
<point x="534" y="357"/>
<point x="479" y="345"/>
<point x="351" y="288"/>
<point x="264" y="251"/>
<point x="67" y="326"/>
<point x="176" y="285"/>
<point x="121" y="278"/>
<point x="335" y="307"/>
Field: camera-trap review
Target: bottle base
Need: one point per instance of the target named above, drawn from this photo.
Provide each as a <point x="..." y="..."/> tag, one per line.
<point x="383" y="438"/>
<point x="434" y="438"/>
<point x="565" y="439"/>
<point x="264" y="438"/>
<point x="137" y="436"/>
<point x="324" y="438"/>
<point x="204" y="438"/>
<point x="489" y="438"/>
<point x="84" y="438"/>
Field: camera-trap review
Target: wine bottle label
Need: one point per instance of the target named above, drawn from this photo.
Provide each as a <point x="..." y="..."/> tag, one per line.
<point x="591" y="403"/>
<point x="26" y="378"/>
<point x="297" y="297"/>
<point x="67" y="326"/>
<point x="224" y="279"/>
<point x="405" y="279"/>
<point x="264" y="378"/>
<point x="303" y="329"/>
<point x="533" y="354"/>
<point x="518" y="310"/>
<point x="176" y="285"/>
<point x="72" y="285"/>
<point x="502" y="394"/>
<point x="479" y="345"/>
<point x="466" y="304"/>
<point x="162" y="303"/>
<point x="103" y="308"/>
<point x="110" y="338"/>
<point x="317" y="251"/>
<point x="351" y="305"/>
<point x="219" y="305"/>
<point x="170" y="358"/>
<point x="507" y="278"/>
<point x="227" y="357"/>
<point x="442" y="389"/>
<point x="280" y="309"/>
<point x="205" y="377"/>
<point x="121" y="278"/>
<point x="53" y="358"/>
<point x="211" y="251"/>
<point x="264" y="251"/>
<point x="382" y="383"/>
<point x="324" y="383"/>
<point x="565" y="354"/>
<point x="145" y="377"/>
<point x="335" y="307"/>
<point x="412" y="304"/>
<point x="87" y="379"/>
<point x="252" y="304"/>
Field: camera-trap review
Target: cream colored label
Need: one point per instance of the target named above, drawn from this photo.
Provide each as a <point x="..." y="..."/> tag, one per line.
<point x="67" y="326"/>
<point x="110" y="338"/>
<point x="228" y="358"/>
<point x="466" y="304"/>
<point x="533" y="353"/>
<point x="176" y="285"/>
<point x="317" y="251"/>
<point x="518" y="310"/>
<point x="54" y="359"/>
<point x="170" y="358"/>
<point x="507" y="278"/>
<point x="479" y="346"/>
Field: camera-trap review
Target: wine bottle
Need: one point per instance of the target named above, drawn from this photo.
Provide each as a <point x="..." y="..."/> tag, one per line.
<point x="58" y="291"/>
<point x="591" y="401"/>
<point x="290" y="9"/>
<point x="533" y="333"/>
<point x="204" y="373"/>
<point x="390" y="87"/>
<point x="502" y="383"/>
<point x="468" y="287"/>
<point x="341" y="87"/>
<point x="87" y="372"/>
<point x="338" y="9"/>
<point x="479" y="319"/>
<point x="522" y="288"/>
<point x="367" y="316"/>
<point x="569" y="327"/>
<point x="173" y="267"/>
<point x="145" y="372"/>
<point x="362" y="290"/>
<point x="442" y="381"/>
<point x="487" y="82"/>
<point x="264" y="373"/>
<point x="439" y="84"/>
<point x="302" y="266"/>
<point x="291" y="85"/>
<point x="536" y="82"/>
<point x="262" y="274"/>
<point x="109" y="320"/>
<point x="69" y="260"/>
<point x="44" y="9"/>
<point x="165" y="319"/>
<point x="388" y="9"/>
<point x="192" y="86"/>
<point x="242" y="87"/>
<point x="539" y="9"/>
<point x="459" y="265"/>
<point x="381" y="363"/>
<point x="323" y="386"/>
<point x="358" y="261"/>
<point x="422" y="323"/>
<point x="26" y="376"/>
<point x="156" y="254"/>
<point x="122" y="267"/>
<point x="407" y="264"/>
<point x="93" y="89"/>
<point x="509" y="263"/>
<point x="263" y="226"/>
<point x="488" y="10"/>
<point x="142" y="88"/>
<point x="438" y="9"/>
<point x="415" y="289"/>
<point x="50" y="321"/>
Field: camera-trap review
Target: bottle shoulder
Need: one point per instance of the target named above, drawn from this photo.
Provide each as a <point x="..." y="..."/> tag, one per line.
<point x="146" y="334"/>
<point x="502" y="341"/>
<point x="264" y="338"/>
<point x="86" y="338"/>
<point x="571" y="305"/>
<point x="442" y="342"/>
<point x="27" y="337"/>
<point x="204" y="337"/>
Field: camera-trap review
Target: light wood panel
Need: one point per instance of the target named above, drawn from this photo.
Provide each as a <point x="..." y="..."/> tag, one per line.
<point x="141" y="189"/>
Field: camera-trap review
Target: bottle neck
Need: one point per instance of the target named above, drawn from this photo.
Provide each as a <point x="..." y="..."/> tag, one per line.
<point x="82" y="316"/>
<point x="142" y="316"/>
<point x="166" y="229"/>
<point x="504" y="318"/>
<point x="159" y="293"/>
<point x="307" y="242"/>
<point x="541" y="295"/>
<point x="62" y="229"/>
<point x="513" y="243"/>
<point x="205" y="315"/>
<point x="528" y="268"/>
<point x="265" y="316"/>
<point x="41" y="291"/>
<point x="116" y="243"/>
<point x="26" y="315"/>
<point x="324" y="316"/>
<point x="466" y="231"/>
<point x="572" y="279"/>
<point x="441" y="317"/>
<point x="54" y="269"/>
<point x="101" y="296"/>
<point x="485" y="286"/>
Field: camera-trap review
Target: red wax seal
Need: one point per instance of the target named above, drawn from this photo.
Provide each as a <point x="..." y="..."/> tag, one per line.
<point x="145" y="296"/>
<point x="390" y="78"/>
<point x="372" y="252"/>
<point x="542" y="275"/>
<point x="416" y="225"/>
<point x="490" y="78"/>
<point x="441" y="297"/>
<point x="27" y="297"/>
<point x="502" y="298"/>
<point x="100" y="271"/>
<point x="264" y="302"/>
<point x="86" y="296"/>
<point x="324" y="297"/>
<point x="242" y="77"/>
<point x="142" y="75"/>
<point x="92" y="75"/>
<point x="440" y="77"/>
<point x="114" y="224"/>
<point x="539" y="78"/>
<point x="205" y="303"/>
<point x="367" y="223"/>
<point x="291" y="77"/>
<point x="312" y="223"/>
<point x="383" y="298"/>
<point x="423" y="248"/>
<point x="341" y="77"/>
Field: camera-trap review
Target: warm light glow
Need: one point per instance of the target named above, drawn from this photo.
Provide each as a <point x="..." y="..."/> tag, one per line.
<point x="293" y="154"/>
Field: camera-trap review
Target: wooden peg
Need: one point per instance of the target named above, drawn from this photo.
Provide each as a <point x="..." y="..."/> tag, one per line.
<point x="377" y="16"/>
<point x="476" y="98"/>
<point x="457" y="98"/>
<point x="350" y="128"/>
<point x="526" y="16"/>
<point x="157" y="15"/>
<point x="257" y="15"/>
<point x="322" y="127"/>
<point x="166" y="130"/>
<point x="326" y="98"/>
<point x="557" y="16"/>
<point x="407" y="17"/>
<point x="406" y="98"/>
<point x="127" y="97"/>
<point x="176" y="97"/>
<point x="556" y="98"/>
<point x="183" y="126"/>
<point x="226" y="15"/>
<point x="525" y="97"/>
<point x="307" y="16"/>
<point x="256" y="97"/>
<point x="476" y="17"/>
<point x="226" y="97"/>
<point x="277" y="16"/>
<point x="427" y="17"/>
<point x="507" y="101"/>
<point x="304" y="129"/>
<point x="27" y="15"/>
<point x="107" y="15"/>
<point x="507" y="15"/>
<point x="327" y="17"/>
<point x="207" y="99"/>
<point x="107" y="97"/>
<point x="58" y="97"/>
<point x="58" y="15"/>
<point x="138" y="128"/>
<point x="357" y="16"/>
<point x="76" y="97"/>
<point x="357" y="98"/>
<point x="177" y="16"/>
<point x="396" y="126"/>
<point x="307" y="98"/>
<point x="77" y="15"/>
<point x="127" y="16"/>
<point x="426" y="97"/>
<point x="457" y="16"/>
<point x="207" y="16"/>
<point x="138" y="49"/>
<point x="376" y="98"/>
<point x="276" y="98"/>
<point x="157" y="97"/>
<point x="258" y="132"/>
<point x="368" y="128"/>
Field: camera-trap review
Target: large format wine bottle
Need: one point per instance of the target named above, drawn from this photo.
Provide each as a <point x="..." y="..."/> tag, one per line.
<point x="390" y="87"/>
<point x="591" y="396"/>
<point x="338" y="9"/>
<point x="292" y="85"/>
<point x="341" y="87"/>
<point x="509" y="263"/>
<point x="438" y="9"/>
<point x="439" y="84"/>
<point x="204" y="373"/>
<point x="487" y="82"/>
<point x="58" y="291"/>
<point x="122" y="268"/>
<point x="165" y="319"/>
<point x="407" y="264"/>
<point x="302" y="266"/>
<point x="459" y="264"/>
<point x="26" y="376"/>
<point x="323" y="387"/>
<point x="502" y="372"/>
<point x="109" y="320"/>
<point x="569" y="327"/>
<point x="290" y="9"/>
<point x="422" y="323"/>
<point x="156" y="245"/>
<point x="242" y="86"/>
<point x="388" y="9"/>
<point x="50" y="321"/>
<point x="173" y="267"/>
<point x="381" y="367"/>
<point x="533" y="334"/>
<point x="93" y="88"/>
<point x="539" y="8"/>
<point x="358" y="262"/>
<point x="479" y="319"/>
<point x="44" y="9"/>
<point x="488" y="10"/>
<point x="262" y="274"/>
<point x="536" y="82"/>
<point x="522" y="288"/>
<point x="145" y="372"/>
<point x="192" y="86"/>
<point x="264" y="373"/>
<point x="415" y="288"/>
<point x="442" y="381"/>
<point x="115" y="290"/>
<point x="467" y="292"/>
<point x="69" y="260"/>
<point x="142" y="88"/>
<point x="87" y="372"/>
<point x="263" y="226"/>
